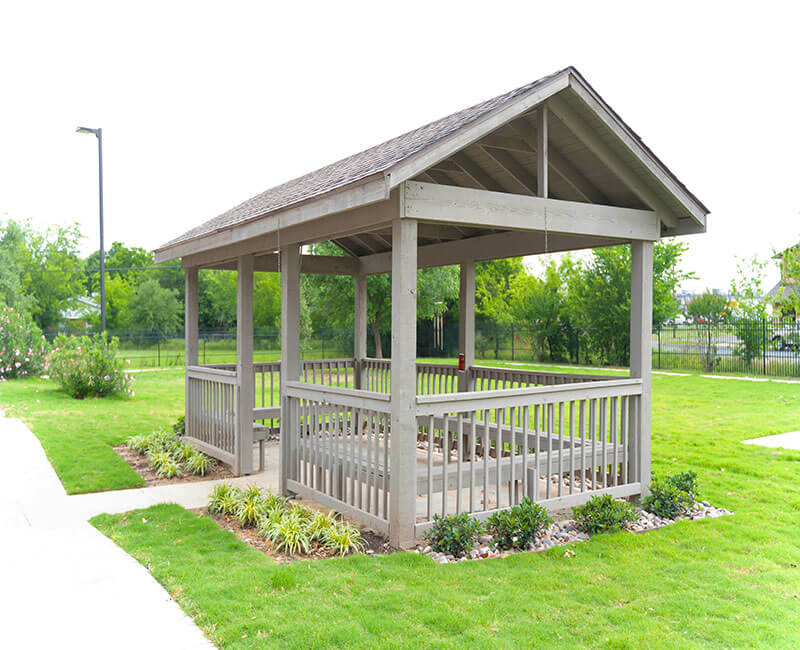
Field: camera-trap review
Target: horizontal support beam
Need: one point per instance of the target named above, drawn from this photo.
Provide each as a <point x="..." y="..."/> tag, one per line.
<point x="483" y="209"/>
<point x="313" y="264"/>
<point x="488" y="247"/>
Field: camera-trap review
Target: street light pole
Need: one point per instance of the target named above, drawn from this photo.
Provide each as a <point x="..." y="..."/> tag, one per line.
<point x="99" y="134"/>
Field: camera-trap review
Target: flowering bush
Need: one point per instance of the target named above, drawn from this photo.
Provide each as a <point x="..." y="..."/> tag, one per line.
<point x="22" y="346"/>
<point x="87" y="367"/>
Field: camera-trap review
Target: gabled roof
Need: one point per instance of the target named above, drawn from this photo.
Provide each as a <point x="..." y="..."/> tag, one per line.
<point x="395" y="158"/>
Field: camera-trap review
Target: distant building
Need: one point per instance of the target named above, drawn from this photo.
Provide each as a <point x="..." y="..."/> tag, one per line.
<point x="79" y="313"/>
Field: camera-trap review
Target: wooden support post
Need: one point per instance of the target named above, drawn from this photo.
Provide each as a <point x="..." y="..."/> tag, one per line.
<point x="466" y="325"/>
<point x="245" y="376"/>
<point x="541" y="151"/>
<point x="403" y="446"/>
<point x="641" y="357"/>
<point x="290" y="353"/>
<point x="190" y="331"/>
<point x="359" y="327"/>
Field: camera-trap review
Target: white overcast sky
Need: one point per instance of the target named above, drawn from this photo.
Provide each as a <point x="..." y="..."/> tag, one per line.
<point x="205" y="104"/>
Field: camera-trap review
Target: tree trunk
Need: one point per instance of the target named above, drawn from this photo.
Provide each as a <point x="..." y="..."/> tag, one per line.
<point x="376" y="336"/>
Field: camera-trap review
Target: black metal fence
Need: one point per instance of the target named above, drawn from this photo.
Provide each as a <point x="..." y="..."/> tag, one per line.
<point x="757" y="346"/>
<point x="768" y="347"/>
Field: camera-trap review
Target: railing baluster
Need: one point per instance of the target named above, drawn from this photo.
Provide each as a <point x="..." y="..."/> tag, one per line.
<point x="445" y="459"/>
<point x="459" y="461"/>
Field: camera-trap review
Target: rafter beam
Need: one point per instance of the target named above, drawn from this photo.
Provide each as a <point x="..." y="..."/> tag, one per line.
<point x="514" y="169"/>
<point x="600" y="149"/>
<point x="507" y="143"/>
<point x="476" y="173"/>
<point x="462" y="206"/>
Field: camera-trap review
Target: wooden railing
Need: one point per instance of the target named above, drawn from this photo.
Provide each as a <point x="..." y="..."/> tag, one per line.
<point x="211" y="412"/>
<point x="338" y="445"/>
<point x="488" y="378"/>
<point x="486" y="450"/>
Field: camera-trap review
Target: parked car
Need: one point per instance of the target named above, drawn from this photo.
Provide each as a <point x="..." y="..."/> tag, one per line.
<point x="787" y="337"/>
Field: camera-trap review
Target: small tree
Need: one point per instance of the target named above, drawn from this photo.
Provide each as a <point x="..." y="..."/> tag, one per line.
<point x="538" y="303"/>
<point x="748" y="308"/>
<point x="154" y="307"/>
<point x="708" y="310"/>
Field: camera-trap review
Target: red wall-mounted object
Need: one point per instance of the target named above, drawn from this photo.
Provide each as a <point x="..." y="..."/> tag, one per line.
<point x="461" y="361"/>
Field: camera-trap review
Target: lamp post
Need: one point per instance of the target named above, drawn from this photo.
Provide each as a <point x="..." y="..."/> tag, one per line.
<point x="99" y="134"/>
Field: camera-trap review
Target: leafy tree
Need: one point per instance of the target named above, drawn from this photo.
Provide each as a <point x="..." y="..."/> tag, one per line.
<point x="599" y="295"/>
<point x="708" y="310"/>
<point x="51" y="270"/>
<point x="12" y="240"/>
<point x="118" y="256"/>
<point x="748" y="308"/>
<point x="539" y="304"/>
<point x="330" y="297"/>
<point x="493" y="293"/>
<point x="218" y="295"/>
<point x="155" y="308"/>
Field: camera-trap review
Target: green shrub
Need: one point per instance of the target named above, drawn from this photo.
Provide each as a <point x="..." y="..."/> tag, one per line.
<point x="179" y="428"/>
<point x="88" y="367"/>
<point x="603" y="513"/>
<point x="138" y="443"/>
<point x="666" y="498"/>
<point x="23" y="349"/>
<point x="160" y="445"/>
<point x="169" y="468"/>
<point x="290" y="533"/>
<point x="454" y="534"/>
<point x="320" y="524"/>
<point x="250" y="506"/>
<point x="197" y="462"/>
<point x="517" y="527"/>
<point x="685" y="482"/>
<point x="343" y="538"/>
<point x="224" y="499"/>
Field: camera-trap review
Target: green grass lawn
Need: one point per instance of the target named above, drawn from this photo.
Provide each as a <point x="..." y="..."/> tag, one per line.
<point x="78" y="436"/>
<point x="728" y="582"/>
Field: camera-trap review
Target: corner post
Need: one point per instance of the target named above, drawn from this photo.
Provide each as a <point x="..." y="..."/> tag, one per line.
<point x="290" y="353"/>
<point x="641" y="357"/>
<point x="403" y="446"/>
<point x="466" y="324"/>
<point x="245" y="377"/>
<point x="191" y="334"/>
<point x="359" y="327"/>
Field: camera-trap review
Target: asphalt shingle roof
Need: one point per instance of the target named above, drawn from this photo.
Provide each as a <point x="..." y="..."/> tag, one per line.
<point x="375" y="160"/>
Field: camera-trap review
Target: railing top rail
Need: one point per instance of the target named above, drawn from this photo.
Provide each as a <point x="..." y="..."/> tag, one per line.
<point x="479" y="400"/>
<point x="337" y="360"/>
<point x="545" y="373"/>
<point x="214" y="374"/>
<point x="338" y="395"/>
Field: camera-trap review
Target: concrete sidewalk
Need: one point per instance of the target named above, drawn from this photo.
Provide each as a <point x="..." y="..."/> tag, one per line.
<point x="64" y="584"/>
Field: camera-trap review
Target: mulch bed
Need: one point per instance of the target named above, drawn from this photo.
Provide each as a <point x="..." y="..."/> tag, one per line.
<point x="375" y="544"/>
<point x="139" y="464"/>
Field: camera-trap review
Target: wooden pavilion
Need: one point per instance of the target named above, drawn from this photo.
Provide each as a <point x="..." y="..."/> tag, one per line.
<point x="546" y="167"/>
